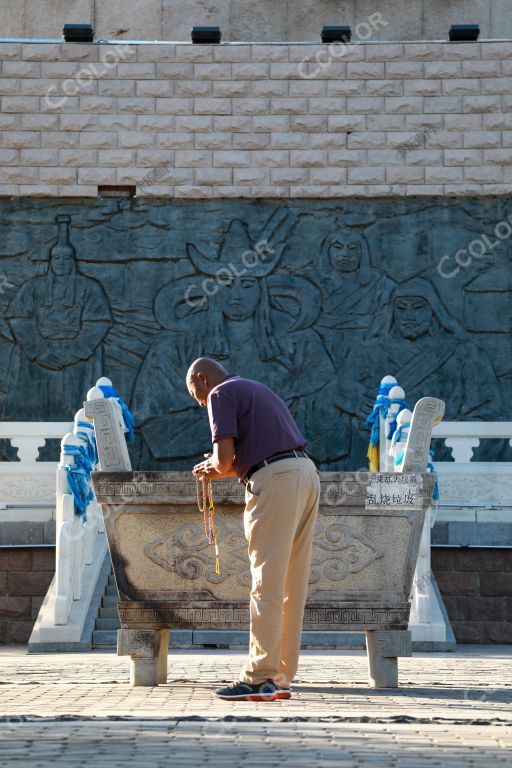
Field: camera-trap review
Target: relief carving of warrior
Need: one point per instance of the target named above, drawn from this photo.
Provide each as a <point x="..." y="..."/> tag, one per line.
<point x="428" y="351"/>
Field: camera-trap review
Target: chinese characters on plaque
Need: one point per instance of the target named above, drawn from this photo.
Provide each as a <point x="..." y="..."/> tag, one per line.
<point x="394" y="490"/>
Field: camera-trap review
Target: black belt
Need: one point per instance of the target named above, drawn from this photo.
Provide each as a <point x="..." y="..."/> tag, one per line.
<point x="295" y="454"/>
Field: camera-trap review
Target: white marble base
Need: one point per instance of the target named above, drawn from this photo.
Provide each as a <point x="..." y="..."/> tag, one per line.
<point x="45" y="631"/>
<point x="436" y="630"/>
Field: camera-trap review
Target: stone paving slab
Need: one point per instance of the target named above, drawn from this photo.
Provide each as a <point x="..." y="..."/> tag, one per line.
<point x="242" y="745"/>
<point x="78" y="709"/>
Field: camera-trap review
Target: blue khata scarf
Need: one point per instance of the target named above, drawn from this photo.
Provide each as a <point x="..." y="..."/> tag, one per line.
<point x="399" y="458"/>
<point x="431" y="468"/>
<point x="392" y="424"/>
<point x="87" y="432"/>
<point x="397" y="434"/>
<point x="129" y="421"/>
<point x="381" y="402"/>
<point x="78" y="478"/>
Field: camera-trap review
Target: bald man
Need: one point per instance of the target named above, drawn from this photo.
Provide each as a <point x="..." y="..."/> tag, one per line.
<point x="256" y="439"/>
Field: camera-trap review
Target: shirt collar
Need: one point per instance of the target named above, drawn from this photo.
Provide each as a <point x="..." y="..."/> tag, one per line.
<point x="229" y="376"/>
<point x="226" y="378"/>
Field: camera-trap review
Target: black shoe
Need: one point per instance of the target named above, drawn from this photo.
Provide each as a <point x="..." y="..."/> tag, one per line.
<point x="246" y="692"/>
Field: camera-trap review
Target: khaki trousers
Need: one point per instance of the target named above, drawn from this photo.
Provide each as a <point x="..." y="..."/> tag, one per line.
<point x="281" y="508"/>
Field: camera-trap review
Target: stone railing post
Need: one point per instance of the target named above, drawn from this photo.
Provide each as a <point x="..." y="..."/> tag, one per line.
<point x="69" y="554"/>
<point x="427" y="414"/>
<point x="109" y="430"/>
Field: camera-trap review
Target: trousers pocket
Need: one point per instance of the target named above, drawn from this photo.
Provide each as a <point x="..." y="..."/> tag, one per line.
<point x="286" y="473"/>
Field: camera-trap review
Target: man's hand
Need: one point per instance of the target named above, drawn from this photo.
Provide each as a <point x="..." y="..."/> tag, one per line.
<point x="218" y="464"/>
<point x="204" y="469"/>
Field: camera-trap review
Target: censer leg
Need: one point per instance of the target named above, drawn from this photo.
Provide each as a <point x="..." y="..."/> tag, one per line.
<point x="384" y="647"/>
<point x="143" y="646"/>
<point x="163" y="651"/>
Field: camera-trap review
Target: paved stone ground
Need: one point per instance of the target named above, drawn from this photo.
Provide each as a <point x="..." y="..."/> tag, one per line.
<point x="78" y="710"/>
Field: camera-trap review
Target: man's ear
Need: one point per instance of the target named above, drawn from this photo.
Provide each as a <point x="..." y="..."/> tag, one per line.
<point x="203" y="379"/>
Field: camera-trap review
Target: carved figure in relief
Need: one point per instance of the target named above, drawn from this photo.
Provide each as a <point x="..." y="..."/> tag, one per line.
<point x="58" y="322"/>
<point x="238" y="310"/>
<point x="354" y="292"/>
<point x="487" y="313"/>
<point x="428" y="351"/>
<point x="354" y="296"/>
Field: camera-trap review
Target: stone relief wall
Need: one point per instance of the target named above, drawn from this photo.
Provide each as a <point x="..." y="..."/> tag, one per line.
<point x="318" y="299"/>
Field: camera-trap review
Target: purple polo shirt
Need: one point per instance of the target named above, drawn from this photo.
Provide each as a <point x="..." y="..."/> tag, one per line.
<point x="256" y="417"/>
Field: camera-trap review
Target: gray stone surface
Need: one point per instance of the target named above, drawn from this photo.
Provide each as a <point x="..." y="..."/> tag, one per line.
<point x="464" y="534"/>
<point x="310" y="307"/>
<point x="309" y="639"/>
<point x="439" y="15"/>
<point x="477" y="589"/>
<point x="178" y="18"/>
<point x="42" y="18"/>
<point x="264" y="20"/>
<point x="118" y="19"/>
<point x="24" y="532"/>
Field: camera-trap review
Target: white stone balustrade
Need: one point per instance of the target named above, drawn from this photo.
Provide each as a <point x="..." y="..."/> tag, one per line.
<point x="70" y="538"/>
<point x="463" y="436"/>
<point x="81" y="548"/>
<point x="29" y="436"/>
<point x="27" y="486"/>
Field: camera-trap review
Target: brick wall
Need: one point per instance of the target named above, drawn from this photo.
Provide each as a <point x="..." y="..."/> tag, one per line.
<point x="239" y="120"/>
<point x="25" y="575"/>
<point x="476" y="585"/>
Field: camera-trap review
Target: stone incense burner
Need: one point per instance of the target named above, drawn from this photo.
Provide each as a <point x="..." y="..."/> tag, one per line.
<point x="364" y="555"/>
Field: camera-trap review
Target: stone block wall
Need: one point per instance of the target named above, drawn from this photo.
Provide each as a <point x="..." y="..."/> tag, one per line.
<point x="476" y="585"/>
<point x="397" y="119"/>
<point x="25" y="575"/>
